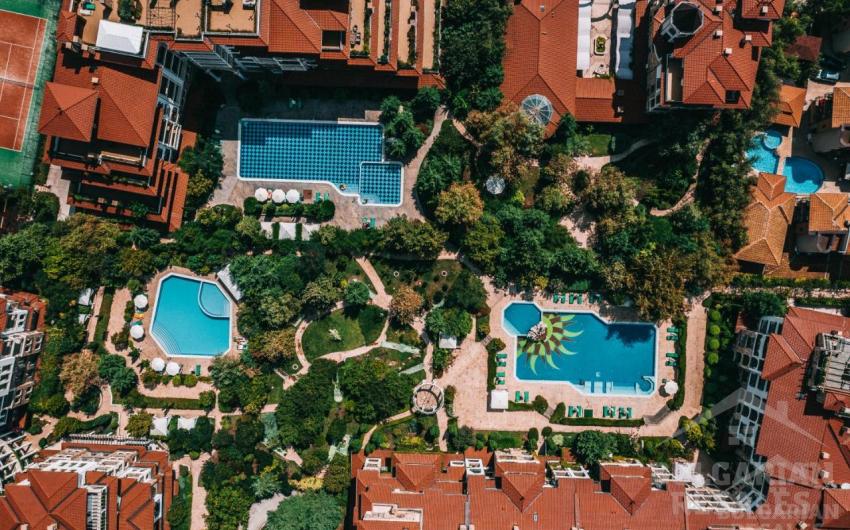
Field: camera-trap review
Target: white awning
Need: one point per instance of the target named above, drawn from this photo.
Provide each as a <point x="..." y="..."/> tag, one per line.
<point x="278" y="196"/>
<point x="447" y="342"/>
<point x="140" y="301"/>
<point x="172" y="368"/>
<point x="625" y="40"/>
<point x="583" y="48"/>
<point x="157" y="364"/>
<point x="85" y="297"/>
<point x="122" y="38"/>
<point x="137" y="331"/>
<point x="499" y="399"/>
<point x="292" y="196"/>
<point x="261" y="194"/>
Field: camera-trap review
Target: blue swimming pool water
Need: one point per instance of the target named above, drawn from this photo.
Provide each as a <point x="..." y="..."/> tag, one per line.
<point x="347" y="155"/>
<point x="191" y="317"/>
<point x="803" y="175"/>
<point x="762" y="158"/>
<point x="596" y="357"/>
<point x="772" y="139"/>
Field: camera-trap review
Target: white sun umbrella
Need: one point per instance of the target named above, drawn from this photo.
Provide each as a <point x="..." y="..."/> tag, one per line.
<point x="137" y="331"/>
<point x="261" y="194"/>
<point x="671" y="387"/>
<point x="278" y="196"/>
<point x="292" y="196"/>
<point x="140" y="301"/>
<point x="157" y="364"/>
<point x="172" y="368"/>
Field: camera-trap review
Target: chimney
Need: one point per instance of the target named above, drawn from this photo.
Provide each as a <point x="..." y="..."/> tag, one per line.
<point x="748" y="38"/>
<point x="764" y="10"/>
<point x="727" y="51"/>
<point x="718" y="33"/>
<point x="824" y="474"/>
<point x="95" y="80"/>
<point x="824" y="455"/>
<point x="718" y="9"/>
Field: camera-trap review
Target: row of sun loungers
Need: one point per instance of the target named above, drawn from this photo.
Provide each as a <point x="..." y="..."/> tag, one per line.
<point x="521" y="397"/>
<point x="623" y="413"/>
<point x="576" y="298"/>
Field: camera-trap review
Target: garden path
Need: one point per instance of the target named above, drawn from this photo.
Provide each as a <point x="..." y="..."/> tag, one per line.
<point x="597" y="162"/>
<point x="259" y="513"/>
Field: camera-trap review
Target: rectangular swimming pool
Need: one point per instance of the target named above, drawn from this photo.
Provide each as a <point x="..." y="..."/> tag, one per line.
<point x="595" y="356"/>
<point x="348" y="155"/>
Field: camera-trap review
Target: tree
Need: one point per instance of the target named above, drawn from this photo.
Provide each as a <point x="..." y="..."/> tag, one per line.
<point x="483" y="242"/>
<point x="79" y="372"/>
<point x="337" y="477"/>
<point x="277" y="309"/>
<point x="321" y="294"/>
<point x="143" y="238"/>
<point x="467" y="292"/>
<point x="357" y="294"/>
<point x="114" y="370"/>
<point x="510" y="140"/>
<point x="129" y="10"/>
<point x="611" y="192"/>
<point x="401" y="135"/>
<point x="425" y="103"/>
<point x="417" y="238"/>
<point x="274" y="346"/>
<point x="451" y="321"/>
<point x="22" y="252"/>
<point x="139" y="425"/>
<point x="378" y="389"/>
<point x="84" y="251"/>
<point x="554" y="201"/>
<point x="203" y="158"/>
<point x="757" y="304"/>
<point x="460" y="204"/>
<point x="405" y="305"/>
<point x="227" y="508"/>
<point x="591" y="447"/>
<point x="265" y="484"/>
<point x="199" y="188"/>
<point x="249" y="228"/>
<point x="310" y="511"/>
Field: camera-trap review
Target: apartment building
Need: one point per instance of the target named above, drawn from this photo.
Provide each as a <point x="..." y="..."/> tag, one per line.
<point x="790" y="419"/>
<point x="705" y="53"/>
<point x="22" y="334"/>
<point x="514" y="489"/>
<point x="115" y="484"/>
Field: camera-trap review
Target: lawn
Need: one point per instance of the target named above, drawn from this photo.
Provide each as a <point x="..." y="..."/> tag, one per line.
<point x="432" y="279"/>
<point x="397" y="359"/>
<point x="351" y="270"/>
<point x="404" y="335"/>
<point x="598" y="143"/>
<point x="355" y="327"/>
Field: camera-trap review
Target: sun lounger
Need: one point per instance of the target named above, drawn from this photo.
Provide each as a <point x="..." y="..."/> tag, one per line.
<point x="373" y="222"/>
<point x="555" y="298"/>
<point x="624" y="413"/>
<point x="501" y="364"/>
<point x="579" y="298"/>
<point x="672" y="355"/>
<point x="501" y="355"/>
<point x="672" y="329"/>
<point x="198" y="369"/>
<point x="572" y="297"/>
<point x="500" y="374"/>
<point x="607" y="412"/>
<point x="670" y="363"/>
<point x="563" y="298"/>
<point x="500" y="381"/>
<point x="674" y="338"/>
<point x="517" y="396"/>
<point x="525" y="396"/>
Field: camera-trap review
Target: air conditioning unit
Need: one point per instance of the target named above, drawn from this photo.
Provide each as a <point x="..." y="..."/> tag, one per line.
<point x="748" y="38"/>
<point x="763" y="10"/>
<point x="824" y="474"/>
<point x="718" y="9"/>
<point x="718" y="33"/>
<point x="727" y="51"/>
<point x="95" y="80"/>
<point x="824" y="455"/>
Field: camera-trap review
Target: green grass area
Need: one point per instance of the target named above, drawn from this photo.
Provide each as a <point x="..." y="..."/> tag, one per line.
<point x="598" y="143"/>
<point x="276" y="392"/>
<point x="16" y="167"/>
<point x="502" y="439"/>
<point x="404" y="335"/>
<point x="183" y="499"/>
<point x="398" y="359"/>
<point x="349" y="269"/>
<point x="355" y="327"/>
<point x="431" y="279"/>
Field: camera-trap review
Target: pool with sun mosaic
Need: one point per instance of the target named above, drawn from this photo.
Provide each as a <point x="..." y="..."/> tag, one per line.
<point x="580" y="348"/>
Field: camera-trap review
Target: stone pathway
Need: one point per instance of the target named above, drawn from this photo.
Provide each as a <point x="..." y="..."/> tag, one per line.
<point x="259" y="513"/>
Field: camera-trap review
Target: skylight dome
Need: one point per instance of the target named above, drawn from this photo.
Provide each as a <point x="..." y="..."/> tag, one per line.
<point x="538" y="108"/>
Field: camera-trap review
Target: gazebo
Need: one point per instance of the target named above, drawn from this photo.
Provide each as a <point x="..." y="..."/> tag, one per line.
<point x="278" y="196"/>
<point x="292" y="196"/>
<point x="137" y="331"/>
<point x="157" y="364"/>
<point x="261" y="194"/>
<point x="141" y="302"/>
<point x="427" y="398"/>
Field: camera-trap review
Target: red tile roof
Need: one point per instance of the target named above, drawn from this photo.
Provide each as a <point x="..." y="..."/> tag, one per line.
<point x="767" y="219"/>
<point x="790" y="106"/>
<point x="806" y="47"/>
<point x="763" y="9"/>
<point x="68" y="112"/>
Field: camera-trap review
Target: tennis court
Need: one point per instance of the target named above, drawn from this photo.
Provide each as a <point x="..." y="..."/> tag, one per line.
<point x="21" y="38"/>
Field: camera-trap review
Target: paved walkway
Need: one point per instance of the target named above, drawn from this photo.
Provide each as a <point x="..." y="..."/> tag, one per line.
<point x="259" y="513"/>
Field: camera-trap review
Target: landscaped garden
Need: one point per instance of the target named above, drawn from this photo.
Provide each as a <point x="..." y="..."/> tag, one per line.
<point x="343" y="330"/>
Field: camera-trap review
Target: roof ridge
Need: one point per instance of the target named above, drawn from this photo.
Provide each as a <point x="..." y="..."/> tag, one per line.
<point x="107" y="95"/>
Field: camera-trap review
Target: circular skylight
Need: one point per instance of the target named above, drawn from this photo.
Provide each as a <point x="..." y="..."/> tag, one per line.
<point x="538" y="108"/>
<point x="495" y="184"/>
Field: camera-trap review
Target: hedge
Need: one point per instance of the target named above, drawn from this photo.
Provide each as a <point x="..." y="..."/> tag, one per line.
<point x="68" y="425"/>
<point x="813" y="301"/>
<point x="100" y="328"/>
<point x="316" y="211"/>
<point x="600" y="422"/>
<point x="136" y="399"/>
<point x="756" y="280"/>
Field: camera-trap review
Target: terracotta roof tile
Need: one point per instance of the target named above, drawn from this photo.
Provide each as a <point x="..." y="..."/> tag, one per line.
<point x="766" y="219"/>
<point x="806" y="47"/>
<point x="840" y="106"/>
<point x="790" y="106"/>
<point x="828" y="212"/>
<point x="68" y="112"/>
<point x="764" y="9"/>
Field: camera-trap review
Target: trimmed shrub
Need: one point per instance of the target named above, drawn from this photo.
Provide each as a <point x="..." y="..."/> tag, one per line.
<point x="714" y="330"/>
<point x="713" y="344"/>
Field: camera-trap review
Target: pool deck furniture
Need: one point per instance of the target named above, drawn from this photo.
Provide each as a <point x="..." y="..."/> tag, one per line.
<point x="670" y="363"/>
<point x="672" y="355"/>
<point x="574" y="411"/>
<point x="672" y="337"/>
<point x="500" y="381"/>
<point x="607" y="411"/>
<point x="525" y="396"/>
<point x="517" y="396"/>
<point x="672" y="329"/>
<point x="624" y="413"/>
<point x="501" y="355"/>
<point x="500" y="374"/>
<point x="501" y="364"/>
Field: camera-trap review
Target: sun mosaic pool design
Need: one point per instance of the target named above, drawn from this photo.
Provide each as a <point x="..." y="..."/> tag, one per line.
<point x="595" y="356"/>
<point x="348" y="155"/>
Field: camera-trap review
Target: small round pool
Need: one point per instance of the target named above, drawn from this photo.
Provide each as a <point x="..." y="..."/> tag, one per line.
<point x="771" y="139"/>
<point x="803" y="175"/>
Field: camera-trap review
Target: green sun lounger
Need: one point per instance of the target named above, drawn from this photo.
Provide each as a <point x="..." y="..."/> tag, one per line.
<point x="500" y="381"/>
<point x="607" y="412"/>
<point x="555" y="298"/>
<point x="674" y="338"/>
<point x="670" y="363"/>
<point x="373" y="222"/>
<point x="500" y="374"/>
<point x="672" y="329"/>
<point x="501" y="364"/>
<point x="672" y="355"/>
<point x="525" y="396"/>
<point x="501" y="355"/>
<point x="579" y="298"/>
<point x="572" y="297"/>
<point x="517" y="397"/>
